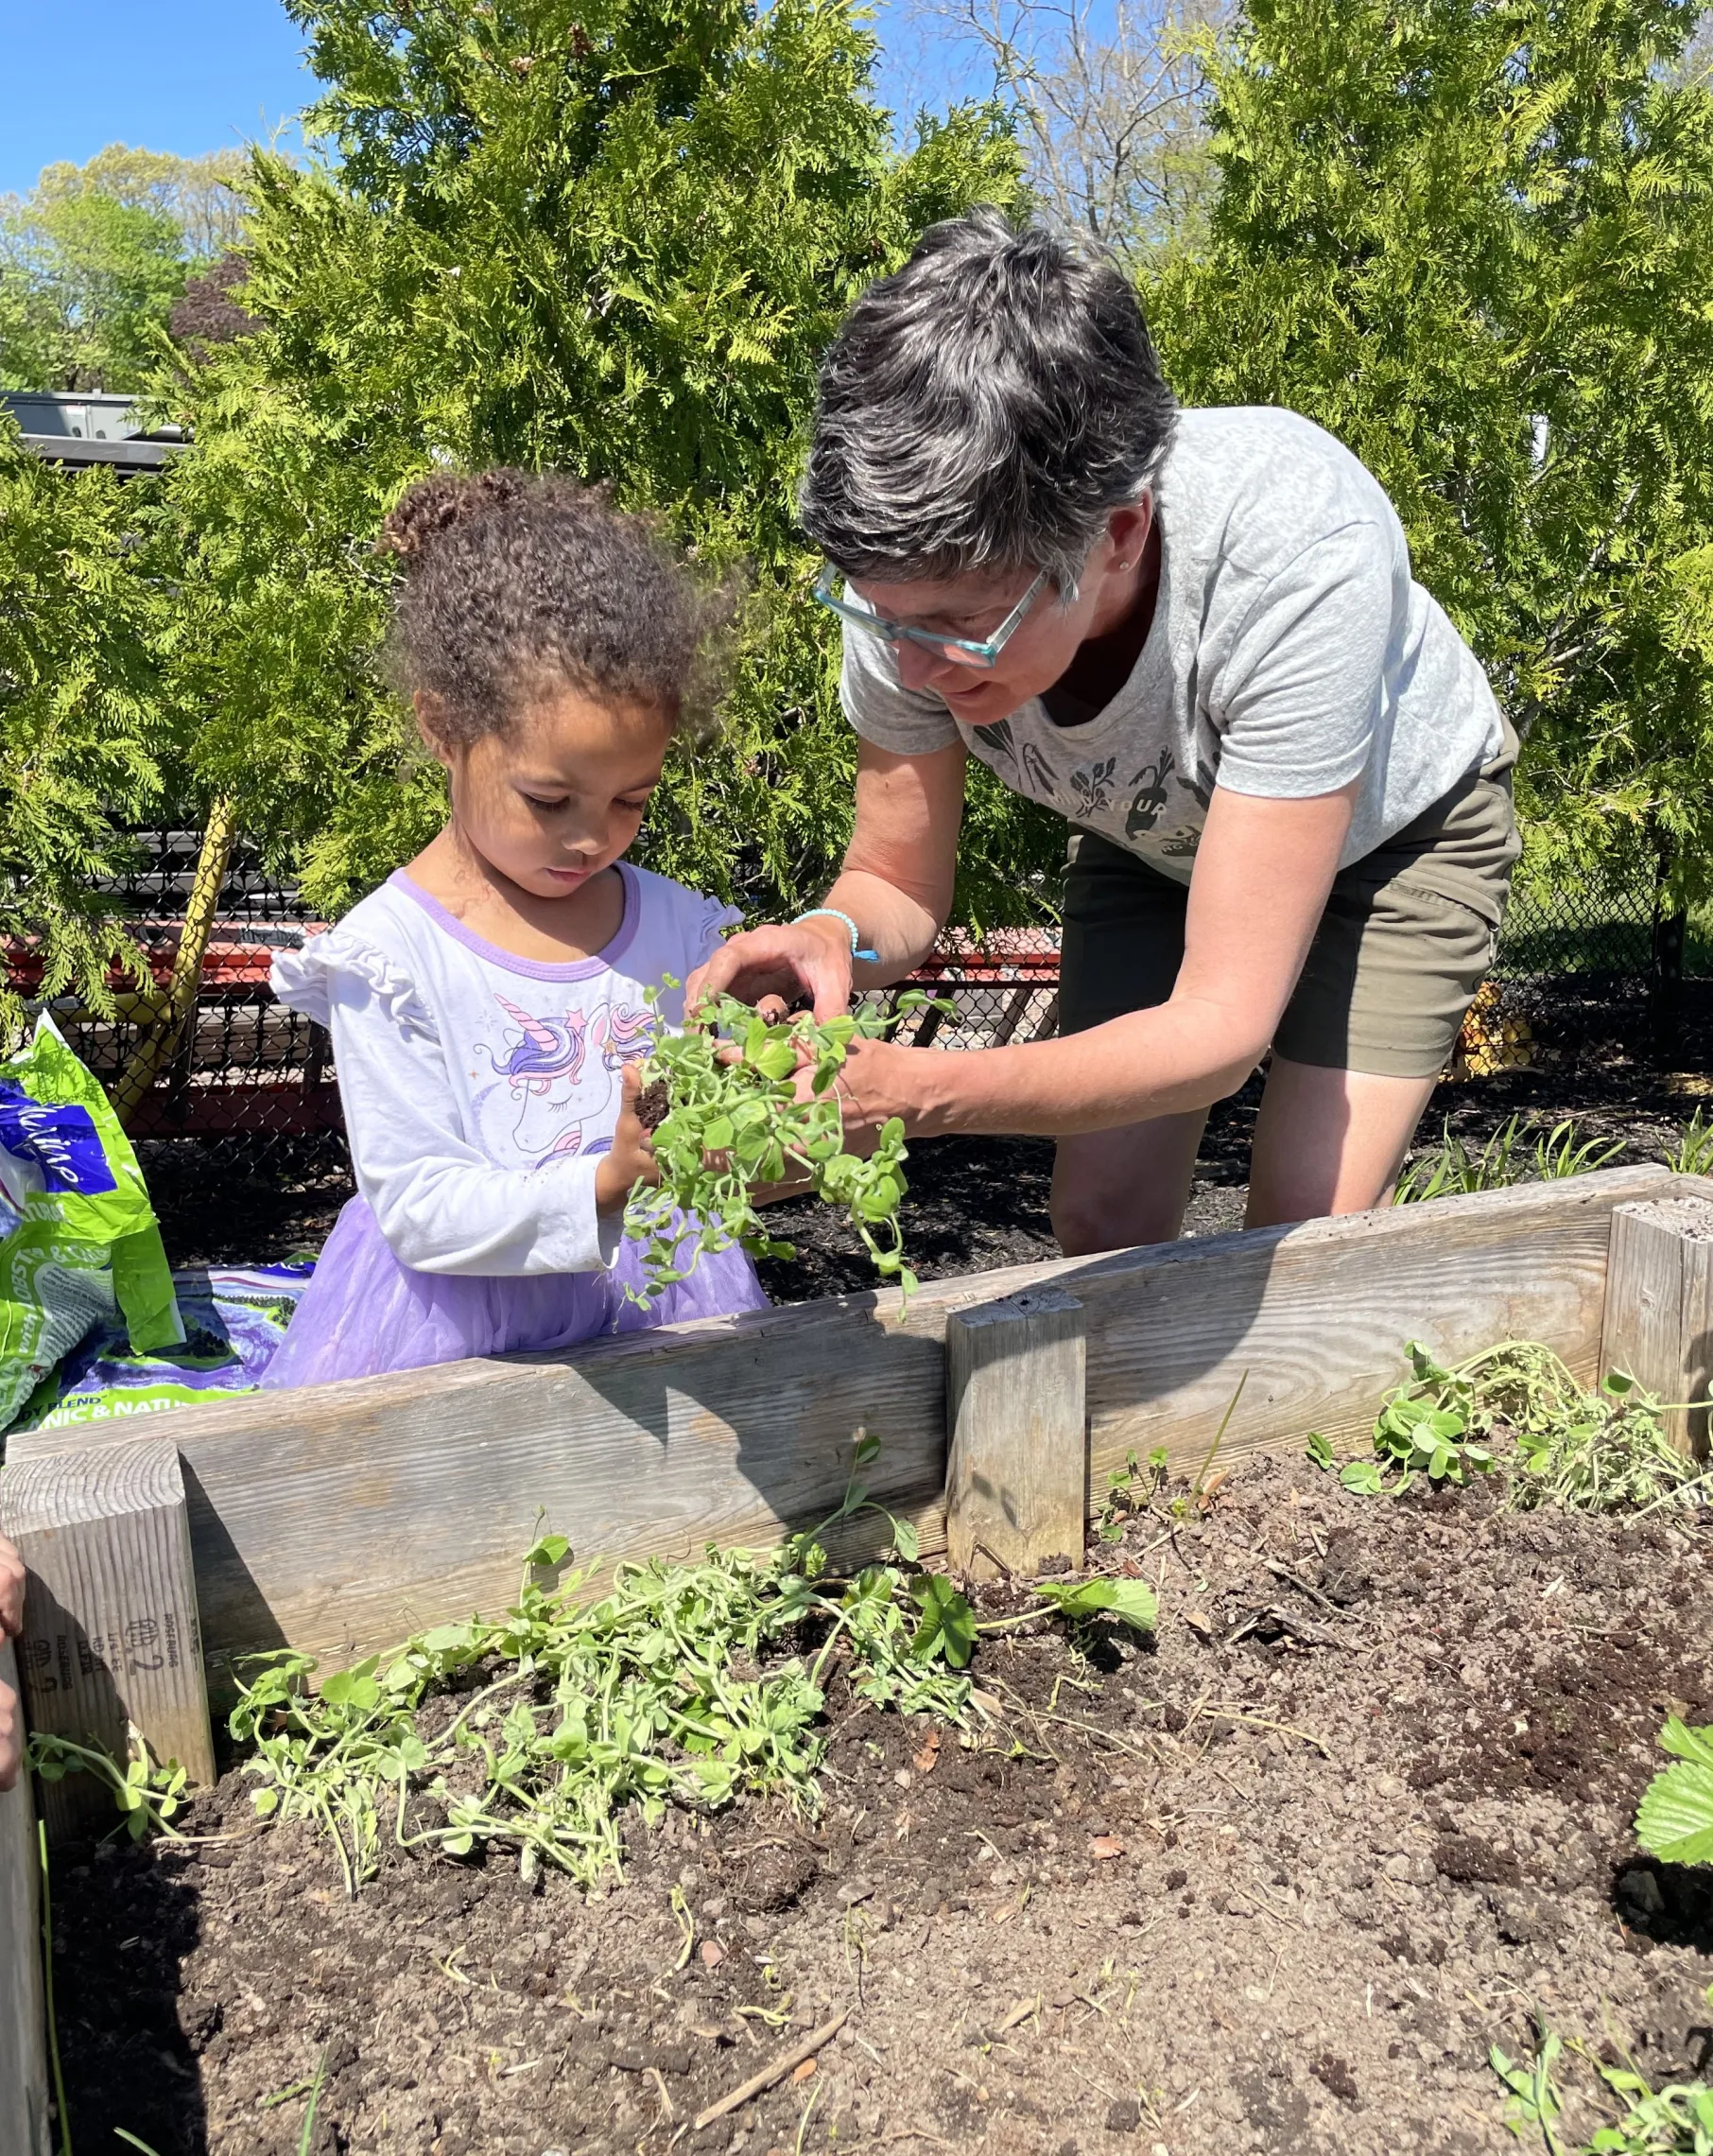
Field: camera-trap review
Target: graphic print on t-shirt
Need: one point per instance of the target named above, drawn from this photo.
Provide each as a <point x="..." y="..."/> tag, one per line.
<point x="562" y="1074"/>
<point x="1149" y="798"/>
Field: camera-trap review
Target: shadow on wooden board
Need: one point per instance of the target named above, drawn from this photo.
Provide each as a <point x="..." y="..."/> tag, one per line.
<point x="340" y="1518"/>
<point x="24" y="2121"/>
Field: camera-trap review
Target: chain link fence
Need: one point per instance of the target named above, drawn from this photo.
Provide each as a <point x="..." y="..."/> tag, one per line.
<point x="245" y="1069"/>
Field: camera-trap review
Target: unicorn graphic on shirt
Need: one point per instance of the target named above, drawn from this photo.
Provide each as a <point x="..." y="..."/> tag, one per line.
<point x="564" y="1076"/>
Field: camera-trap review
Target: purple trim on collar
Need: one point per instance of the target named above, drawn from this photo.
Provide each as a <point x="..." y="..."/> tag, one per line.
<point x="533" y="968"/>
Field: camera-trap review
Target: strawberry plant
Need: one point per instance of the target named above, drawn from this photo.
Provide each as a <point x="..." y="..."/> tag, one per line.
<point x="1676" y="1820"/>
<point x="734" y="1123"/>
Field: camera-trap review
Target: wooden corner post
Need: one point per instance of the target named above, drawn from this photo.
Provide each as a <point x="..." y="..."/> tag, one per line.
<point x="1016" y="1487"/>
<point x="24" y="2121"/>
<point x="111" y="1638"/>
<point x="1658" y="1326"/>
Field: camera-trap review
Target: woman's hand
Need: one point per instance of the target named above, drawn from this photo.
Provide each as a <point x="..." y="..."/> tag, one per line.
<point x="11" y="1622"/>
<point x="880" y="1080"/>
<point x="776" y="967"/>
<point x="631" y="1159"/>
<point x="12" y="1591"/>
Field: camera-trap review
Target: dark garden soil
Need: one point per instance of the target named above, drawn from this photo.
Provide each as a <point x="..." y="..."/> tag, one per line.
<point x="979" y="1202"/>
<point x="1275" y="1893"/>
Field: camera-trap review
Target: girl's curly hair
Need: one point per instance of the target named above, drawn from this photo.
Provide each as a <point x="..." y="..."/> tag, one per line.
<point x="516" y="582"/>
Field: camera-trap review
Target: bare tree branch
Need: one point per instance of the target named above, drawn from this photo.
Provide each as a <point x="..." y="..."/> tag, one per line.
<point x="1110" y="102"/>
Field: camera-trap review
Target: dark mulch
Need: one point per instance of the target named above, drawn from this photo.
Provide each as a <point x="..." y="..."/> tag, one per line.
<point x="980" y="1203"/>
<point x="1208" y="1896"/>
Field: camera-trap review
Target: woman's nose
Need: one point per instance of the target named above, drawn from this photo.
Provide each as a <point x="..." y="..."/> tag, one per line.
<point x="920" y="668"/>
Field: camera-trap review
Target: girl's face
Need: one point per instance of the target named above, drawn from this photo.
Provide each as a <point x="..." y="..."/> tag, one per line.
<point x="559" y="795"/>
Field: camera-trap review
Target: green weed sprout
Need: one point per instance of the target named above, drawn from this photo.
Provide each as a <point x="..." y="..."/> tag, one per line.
<point x="1517" y="1407"/>
<point x="1457" y="1170"/>
<point x="147" y="1797"/>
<point x="1676" y="1820"/>
<point x="1676" y="2121"/>
<point x="734" y="1123"/>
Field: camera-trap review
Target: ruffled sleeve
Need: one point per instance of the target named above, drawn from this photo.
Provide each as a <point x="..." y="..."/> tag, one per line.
<point x="309" y="981"/>
<point x="708" y="927"/>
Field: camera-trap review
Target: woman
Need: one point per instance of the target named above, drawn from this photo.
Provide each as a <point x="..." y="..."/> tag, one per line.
<point x="1195" y="635"/>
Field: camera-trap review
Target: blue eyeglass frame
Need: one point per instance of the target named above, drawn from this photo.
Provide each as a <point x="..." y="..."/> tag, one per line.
<point x="960" y="649"/>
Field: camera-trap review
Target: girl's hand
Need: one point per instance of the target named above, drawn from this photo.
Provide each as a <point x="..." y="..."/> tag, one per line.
<point x="776" y="967"/>
<point x="631" y="1159"/>
<point x="11" y="1737"/>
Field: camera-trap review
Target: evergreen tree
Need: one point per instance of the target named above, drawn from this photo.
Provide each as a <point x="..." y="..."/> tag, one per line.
<point x="84" y="735"/>
<point x="1474" y="239"/>
<point x="609" y="239"/>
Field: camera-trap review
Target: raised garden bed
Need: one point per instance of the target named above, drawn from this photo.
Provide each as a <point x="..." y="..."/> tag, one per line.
<point x="1426" y="1724"/>
<point x="1284" y="1896"/>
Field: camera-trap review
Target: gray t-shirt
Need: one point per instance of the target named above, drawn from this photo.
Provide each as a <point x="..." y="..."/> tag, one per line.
<point x="1291" y="652"/>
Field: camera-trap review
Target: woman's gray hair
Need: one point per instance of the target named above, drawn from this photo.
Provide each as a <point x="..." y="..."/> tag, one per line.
<point x="984" y="408"/>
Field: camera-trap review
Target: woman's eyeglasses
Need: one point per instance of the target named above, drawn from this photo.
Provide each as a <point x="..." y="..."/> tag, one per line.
<point x="960" y="649"/>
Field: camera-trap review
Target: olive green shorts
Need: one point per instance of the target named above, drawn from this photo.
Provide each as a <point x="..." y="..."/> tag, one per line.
<point x="1407" y="932"/>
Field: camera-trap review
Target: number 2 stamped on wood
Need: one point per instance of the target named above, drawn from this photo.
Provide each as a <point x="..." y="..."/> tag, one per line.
<point x="111" y="1638"/>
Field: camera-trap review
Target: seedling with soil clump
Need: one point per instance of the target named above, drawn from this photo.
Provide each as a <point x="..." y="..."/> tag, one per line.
<point x="722" y="1101"/>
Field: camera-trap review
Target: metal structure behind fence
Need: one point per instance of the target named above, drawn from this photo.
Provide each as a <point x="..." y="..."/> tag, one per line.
<point x="247" y="1066"/>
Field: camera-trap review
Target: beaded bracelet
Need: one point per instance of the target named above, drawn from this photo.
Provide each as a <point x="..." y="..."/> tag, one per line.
<point x="832" y="914"/>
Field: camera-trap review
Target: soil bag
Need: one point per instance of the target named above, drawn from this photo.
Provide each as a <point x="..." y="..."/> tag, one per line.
<point x="79" y="1245"/>
<point x="235" y="1319"/>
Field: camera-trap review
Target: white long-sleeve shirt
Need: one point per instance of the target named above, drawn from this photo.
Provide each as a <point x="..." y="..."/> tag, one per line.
<point x="480" y="1090"/>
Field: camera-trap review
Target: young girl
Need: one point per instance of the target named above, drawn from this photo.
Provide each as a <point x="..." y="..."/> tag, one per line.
<point x="487" y="1003"/>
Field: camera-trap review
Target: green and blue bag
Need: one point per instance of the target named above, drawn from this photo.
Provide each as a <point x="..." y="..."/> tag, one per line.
<point x="79" y="1245"/>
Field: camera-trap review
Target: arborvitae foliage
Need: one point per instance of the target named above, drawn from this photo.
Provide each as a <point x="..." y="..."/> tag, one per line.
<point x="83" y="725"/>
<point x="611" y="240"/>
<point x="1474" y="239"/>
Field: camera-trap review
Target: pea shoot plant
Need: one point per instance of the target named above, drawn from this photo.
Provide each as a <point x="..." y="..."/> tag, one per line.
<point x="147" y="1797"/>
<point x="1674" y="2121"/>
<point x="1517" y="1408"/>
<point x="683" y="1684"/>
<point x="734" y="1123"/>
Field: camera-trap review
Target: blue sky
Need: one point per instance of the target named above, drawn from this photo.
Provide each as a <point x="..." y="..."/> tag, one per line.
<point x="190" y="75"/>
<point x="186" y="75"/>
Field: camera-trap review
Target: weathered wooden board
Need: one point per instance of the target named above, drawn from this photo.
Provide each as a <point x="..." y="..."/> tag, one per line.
<point x="339" y="1518"/>
<point x="1016" y="1478"/>
<point x="1659" y="1308"/>
<point x="111" y="1638"/>
<point x="1318" y="1315"/>
<point x="24" y="2122"/>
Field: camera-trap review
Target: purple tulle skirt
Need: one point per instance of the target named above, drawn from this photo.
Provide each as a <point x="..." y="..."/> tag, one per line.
<point x="364" y="1313"/>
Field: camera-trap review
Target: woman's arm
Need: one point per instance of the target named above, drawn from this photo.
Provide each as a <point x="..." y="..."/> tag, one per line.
<point x="1261" y="879"/>
<point x="895" y="884"/>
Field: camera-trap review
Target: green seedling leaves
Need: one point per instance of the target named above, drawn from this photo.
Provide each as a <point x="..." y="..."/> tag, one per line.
<point x="1130" y="1601"/>
<point x="676" y="1684"/>
<point x="736" y="1123"/>
<point x="1362" y="1478"/>
<point x="355" y="1688"/>
<point x="948" y="1624"/>
<point x="1517" y="1408"/>
<point x="1675" y="1818"/>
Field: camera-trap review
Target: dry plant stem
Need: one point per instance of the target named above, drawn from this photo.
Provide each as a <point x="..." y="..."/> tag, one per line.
<point x="781" y="2066"/>
<point x="157" y="1048"/>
